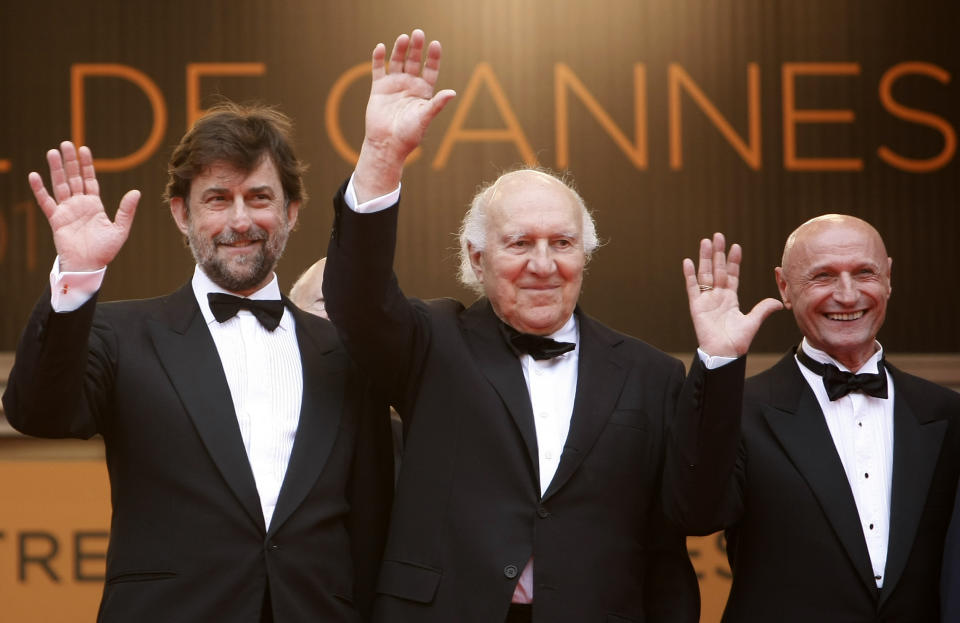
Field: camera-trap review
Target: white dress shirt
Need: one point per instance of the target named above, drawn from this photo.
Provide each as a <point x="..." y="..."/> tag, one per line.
<point x="552" y="386"/>
<point x="862" y="430"/>
<point x="263" y="372"/>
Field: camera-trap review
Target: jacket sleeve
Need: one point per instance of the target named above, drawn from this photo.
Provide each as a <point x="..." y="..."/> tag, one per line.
<point x="700" y="483"/>
<point x="383" y="331"/>
<point x="61" y="375"/>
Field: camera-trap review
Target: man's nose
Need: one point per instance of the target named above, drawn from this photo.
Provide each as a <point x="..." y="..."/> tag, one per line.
<point x="240" y="219"/>
<point x="541" y="260"/>
<point x="846" y="290"/>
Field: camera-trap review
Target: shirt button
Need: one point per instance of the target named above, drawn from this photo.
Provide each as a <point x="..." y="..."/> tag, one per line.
<point x="543" y="415"/>
<point x="510" y="571"/>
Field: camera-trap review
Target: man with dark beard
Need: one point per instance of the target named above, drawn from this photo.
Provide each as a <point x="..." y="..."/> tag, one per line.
<point x="240" y="492"/>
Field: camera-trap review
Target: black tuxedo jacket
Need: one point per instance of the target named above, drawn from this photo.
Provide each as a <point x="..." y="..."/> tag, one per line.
<point x="950" y="580"/>
<point x="187" y="539"/>
<point x="795" y="543"/>
<point x="468" y="513"/>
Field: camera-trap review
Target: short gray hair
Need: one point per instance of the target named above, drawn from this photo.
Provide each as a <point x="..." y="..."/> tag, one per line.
<point x="473" y="229"/>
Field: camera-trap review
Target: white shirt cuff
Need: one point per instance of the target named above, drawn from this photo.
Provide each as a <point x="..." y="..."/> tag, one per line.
<point x="70" y="290"/>
<point x="374" y="205"/>
<point x="712" y="362"/>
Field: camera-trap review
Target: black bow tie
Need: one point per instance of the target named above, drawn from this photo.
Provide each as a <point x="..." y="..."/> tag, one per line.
<point x="226" y="306"/>
<point x="839" y="383"/>
<point x="539" y="347"/>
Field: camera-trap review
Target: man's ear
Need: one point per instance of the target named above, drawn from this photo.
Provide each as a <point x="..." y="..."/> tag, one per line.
<point x="782" y="286"/>
<point x="293" y="211"/>
<point x="178" y="208"/>
<point x="475" y="256"/>
<point x="889" y="276"/>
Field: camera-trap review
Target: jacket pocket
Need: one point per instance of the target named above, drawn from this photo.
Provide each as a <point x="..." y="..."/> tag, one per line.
<point x="140" y="576"/>
<point x="408" y="581"/>
<point x="633" y="418"/>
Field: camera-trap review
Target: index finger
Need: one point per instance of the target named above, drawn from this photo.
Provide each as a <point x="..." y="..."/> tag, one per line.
<point x="431" y="68"/>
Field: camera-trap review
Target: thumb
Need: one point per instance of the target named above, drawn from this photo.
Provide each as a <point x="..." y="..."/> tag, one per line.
<point x="128" y="207"/>
<point x="762" y="310"/>
<point x="438" y="102"/>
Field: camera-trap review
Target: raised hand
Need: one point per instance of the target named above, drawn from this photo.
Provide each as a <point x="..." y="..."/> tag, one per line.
<point x="85" y="237"/>
<point x="712" y="292"/>
<point x="401" y="106"/>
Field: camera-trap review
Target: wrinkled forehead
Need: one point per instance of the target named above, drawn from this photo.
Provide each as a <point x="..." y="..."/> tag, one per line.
<point x="841" y="243"/>
<point x="224" y="172"/>
<point x="530" y="199"/>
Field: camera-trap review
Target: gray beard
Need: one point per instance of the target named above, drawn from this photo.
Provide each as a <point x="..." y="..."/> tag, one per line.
<point x="241" y="273"/>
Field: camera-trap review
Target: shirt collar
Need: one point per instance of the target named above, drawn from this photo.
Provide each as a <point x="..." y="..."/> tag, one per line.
<point x="203" y="285"/>
<point x="568" y="332"/>
<point x="870" y="366"/>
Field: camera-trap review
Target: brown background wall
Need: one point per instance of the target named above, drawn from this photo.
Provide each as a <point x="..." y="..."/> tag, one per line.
<point x="512" y="63"/>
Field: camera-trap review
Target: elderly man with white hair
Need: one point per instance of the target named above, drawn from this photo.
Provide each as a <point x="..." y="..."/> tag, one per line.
<point x="534" y="478"/>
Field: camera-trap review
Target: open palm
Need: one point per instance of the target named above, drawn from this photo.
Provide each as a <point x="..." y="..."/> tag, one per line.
<point x="85" y="237"/>
<point x="401" y="106"/>
<point x="722" y="330"/>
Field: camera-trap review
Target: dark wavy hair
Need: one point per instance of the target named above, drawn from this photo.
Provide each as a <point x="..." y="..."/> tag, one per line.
<point x="241" y="136"/>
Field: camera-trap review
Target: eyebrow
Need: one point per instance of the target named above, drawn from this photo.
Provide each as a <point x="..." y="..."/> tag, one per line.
<point x="260" y="189"/>
<point x="517" y="235"/>
<point x="214" y="190"/>
<point x="830" y="268"/>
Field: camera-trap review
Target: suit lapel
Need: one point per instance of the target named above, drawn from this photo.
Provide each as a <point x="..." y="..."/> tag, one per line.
<point x="501" y="367"/>
<point x="320" y="413"/>
<point x="799" y="425"/>
<point x="916" y="449"/>
<point x="188" y="354"/>
<point x="600" y="375"/>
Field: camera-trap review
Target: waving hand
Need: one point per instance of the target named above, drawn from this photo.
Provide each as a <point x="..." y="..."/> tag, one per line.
<point x="401" y="106"/>
<point x="722" y="330"/>
<point x="85" y="237"/>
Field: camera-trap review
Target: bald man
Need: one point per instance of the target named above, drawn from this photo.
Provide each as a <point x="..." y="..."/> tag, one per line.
<point x="307" y="291"/>
<point x="838" y="504"/>
<point x="536" y="459"/>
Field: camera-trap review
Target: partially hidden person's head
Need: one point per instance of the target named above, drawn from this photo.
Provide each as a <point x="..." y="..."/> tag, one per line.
<point x="524" y="244"/>
<point x="835" y="277"/>
<point x="235" y="189"/>
<point x="307" y="290"/>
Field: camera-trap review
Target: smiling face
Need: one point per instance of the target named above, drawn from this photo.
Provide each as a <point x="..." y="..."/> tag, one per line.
<point x="532" y="265"/>
<point x="836" y="279"/>
<point x="236" y="224"/>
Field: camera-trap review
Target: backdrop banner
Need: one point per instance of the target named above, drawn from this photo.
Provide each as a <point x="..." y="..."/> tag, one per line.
<point x="675" y="118"/>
